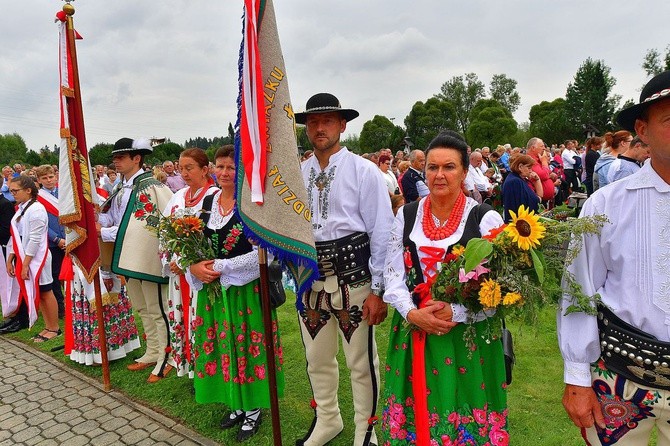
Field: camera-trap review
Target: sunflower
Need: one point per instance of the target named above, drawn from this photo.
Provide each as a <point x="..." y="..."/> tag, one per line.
<point x="525" y="228"/>
<point x="489" y="293"/>
<point x="458" y="250"/>
<point x="511" y="298"/>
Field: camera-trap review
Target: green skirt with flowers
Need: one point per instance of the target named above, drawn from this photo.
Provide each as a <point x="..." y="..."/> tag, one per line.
<point x="467" y="393"/>
<point x="229" y="349"/>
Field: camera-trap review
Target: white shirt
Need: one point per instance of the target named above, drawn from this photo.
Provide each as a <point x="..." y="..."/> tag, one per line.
<point x="111" y="220"/>
<point x="396" y="292"/>
<point x="568" y="160"/>
<point x="390" y="180"/>
<point x="350" y="196"/>
<point x="628" y="264"/>
<point x="478" y="179"/>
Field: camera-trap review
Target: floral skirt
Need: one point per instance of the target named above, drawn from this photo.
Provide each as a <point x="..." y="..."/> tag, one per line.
<point x="180" y="340"/>
<point x="120" y="329"/>
<point x="229" y="349"/>
<point x="467" y="395"/>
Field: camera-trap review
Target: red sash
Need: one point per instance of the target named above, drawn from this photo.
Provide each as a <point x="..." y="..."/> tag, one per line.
<point x="29" y="289"/>
<point x="185" y="290"/>
<point x="421" y="418"/>
<point x="67" y="276"/>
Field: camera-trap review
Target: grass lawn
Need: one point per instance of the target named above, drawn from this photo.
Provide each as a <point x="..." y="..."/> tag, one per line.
<point x="536" y="413"/>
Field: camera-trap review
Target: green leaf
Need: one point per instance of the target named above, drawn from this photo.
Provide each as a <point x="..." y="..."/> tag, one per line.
<point x="476" y="250"/>
<point x="538" y="264"/>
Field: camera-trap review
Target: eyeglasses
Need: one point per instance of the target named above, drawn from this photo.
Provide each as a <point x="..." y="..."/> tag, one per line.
<point x="14" y="191"/>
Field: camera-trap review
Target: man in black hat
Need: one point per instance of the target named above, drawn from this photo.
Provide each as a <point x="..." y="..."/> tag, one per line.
<point x="352" y="220"/>
<point x="130" y="219"/>
<point x="617" y="364"/>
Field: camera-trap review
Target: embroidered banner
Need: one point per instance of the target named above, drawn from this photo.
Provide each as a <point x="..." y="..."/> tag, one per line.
<point x="77" y="194"/>
<point x="267" y="152"/>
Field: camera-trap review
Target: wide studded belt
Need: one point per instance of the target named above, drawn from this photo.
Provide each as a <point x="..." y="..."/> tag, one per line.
<point x="346" y="257"/>
<point x="632" y="353"/>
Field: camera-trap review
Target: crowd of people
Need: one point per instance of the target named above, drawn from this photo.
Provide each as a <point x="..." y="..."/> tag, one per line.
<point x="382" y="223"/>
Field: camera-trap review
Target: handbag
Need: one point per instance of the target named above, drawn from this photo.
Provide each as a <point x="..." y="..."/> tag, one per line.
<point x="508" y="351"/>
<point x="277" y="293"/>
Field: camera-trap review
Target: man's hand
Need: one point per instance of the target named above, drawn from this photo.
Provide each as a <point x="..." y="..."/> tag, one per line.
<point x="583" y="406"/>
<point x="98" y="226"/>
<point x="109" y="284"/>
<point x="174" y="268"/>
<point x="374" y="310"/>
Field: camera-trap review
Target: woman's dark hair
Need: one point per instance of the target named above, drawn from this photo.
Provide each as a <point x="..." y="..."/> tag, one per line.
<point x="25" y="182"/>
<point x="448" y="139"/>
<point x="227" y="151"/>
<point x="197" y="155"/>
<point x="594" y="142"/>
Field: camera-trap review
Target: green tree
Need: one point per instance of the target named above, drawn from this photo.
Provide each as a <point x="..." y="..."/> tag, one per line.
<point x="101" y="153"/>
<point x="303" y="140"/>
<point x="426" y="120"/>
<point x="379" y="133"/>
<point x="463" y="92"/>
<point x="503" y="90"/>
<point x="166" y="151"/>
<point x="589" y="100"/>
<point x="652" y="64"/>
<point x="32" y="158"/>
<point x="549" y="121"/>
<point x="352" y="142"/>
<point x="490" y="124"/>
<point x="12" y="149"/>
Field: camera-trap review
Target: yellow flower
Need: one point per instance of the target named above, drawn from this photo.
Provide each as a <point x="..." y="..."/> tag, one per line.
<point x="458" y="250"/>
<point x="525" y="228"/>
<point x="511" y="298"/>
<point x="489" y="293"/>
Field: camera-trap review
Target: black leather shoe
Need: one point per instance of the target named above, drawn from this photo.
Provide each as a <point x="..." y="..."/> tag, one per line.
<point x="254" y="425"/>
<point x="6" y="322"/>
<point x="229" y="421"/>
<point x="13" y="327"/>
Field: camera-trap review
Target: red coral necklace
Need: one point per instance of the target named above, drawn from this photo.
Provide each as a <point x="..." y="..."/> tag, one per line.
<point x="434" y="232"/>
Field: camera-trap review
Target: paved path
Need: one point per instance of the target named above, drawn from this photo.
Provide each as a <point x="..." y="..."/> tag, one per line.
<point x="42" y="402"/>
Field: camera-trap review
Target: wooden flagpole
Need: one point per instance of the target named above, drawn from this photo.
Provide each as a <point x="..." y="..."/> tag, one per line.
<point x="102" y="338"/>
<point x="269" y="344"/>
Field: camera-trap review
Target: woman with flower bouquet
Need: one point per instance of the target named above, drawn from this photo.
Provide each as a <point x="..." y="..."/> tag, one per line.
<point x="194" y="168"/>
<point x="440" y="389"/>
<point x="230" y="342"/>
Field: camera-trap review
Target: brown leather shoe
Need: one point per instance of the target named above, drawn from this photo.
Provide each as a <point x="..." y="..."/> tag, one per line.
<point x="155" y="378"/>
<point x="136" y="366"/>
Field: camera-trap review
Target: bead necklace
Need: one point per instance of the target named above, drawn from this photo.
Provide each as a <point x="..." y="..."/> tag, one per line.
<point x="434" y="232"/>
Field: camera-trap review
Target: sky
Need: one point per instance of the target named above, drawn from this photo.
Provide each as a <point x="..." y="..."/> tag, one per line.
<point x="167" y="68"/>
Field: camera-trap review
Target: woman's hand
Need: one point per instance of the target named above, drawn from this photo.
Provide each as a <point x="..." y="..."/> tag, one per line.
<point x="10" y="267"/>
<point x="174" y="268"/>
<point x="427" y="320"/>
<point x="204" y="272"/>
<point x="25" y="271"/>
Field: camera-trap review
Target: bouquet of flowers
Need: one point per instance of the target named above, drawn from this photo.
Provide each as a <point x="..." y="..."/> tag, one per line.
<point x="516" y="269"/>
<point x="182" y="237"/>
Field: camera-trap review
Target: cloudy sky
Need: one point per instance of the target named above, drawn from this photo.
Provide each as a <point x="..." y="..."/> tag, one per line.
<point x="169" y="68"/>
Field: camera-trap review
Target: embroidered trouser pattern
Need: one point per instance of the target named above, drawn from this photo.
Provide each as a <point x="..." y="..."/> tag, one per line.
<point x="151" y="305"/>
<point x="325" y="314"/>
<point x="631" y="411"/>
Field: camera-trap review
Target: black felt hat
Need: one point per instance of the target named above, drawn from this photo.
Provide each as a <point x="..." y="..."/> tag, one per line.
<point x="657" y="88"/>
<point x="142" y="146"/>
<point x="324" y="103"/>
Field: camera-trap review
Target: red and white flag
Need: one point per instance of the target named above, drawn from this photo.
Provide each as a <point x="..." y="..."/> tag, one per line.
<point x="77" y="192"/>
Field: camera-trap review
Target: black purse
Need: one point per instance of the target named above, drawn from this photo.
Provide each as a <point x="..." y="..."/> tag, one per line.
<point x="277" y="293"/>
<point x="508" y="351"/>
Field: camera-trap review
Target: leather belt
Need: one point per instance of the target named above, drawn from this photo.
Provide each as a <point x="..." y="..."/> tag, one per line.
<point x="346" y="257"/>
<point x="632" y="353"/>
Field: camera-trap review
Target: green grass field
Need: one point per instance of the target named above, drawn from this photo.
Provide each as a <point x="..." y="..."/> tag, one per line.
<point x="536" y="413"/>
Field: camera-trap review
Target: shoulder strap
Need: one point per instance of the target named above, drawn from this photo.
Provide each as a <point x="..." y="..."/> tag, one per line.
<point x="207" y="208"/>
<point x="409" y="211"/>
